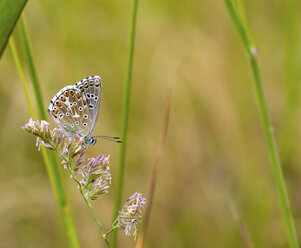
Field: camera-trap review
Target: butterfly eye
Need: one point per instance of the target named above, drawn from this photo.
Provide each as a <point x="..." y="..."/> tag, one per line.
<point x="67" y="114"/>
<point x="85" y="116"/>
<point x="72" y="125"/>
<point x="61" y="116"/>
<point x="95" y="98"/>
<point x="76" y="122"/>
<point x="64" y="125"/>
<point x="85" y="124"/>
<point x="74" y="104"/>
<point x="91" y="106"/>
<point x="91" y="83"/>
<point x="80" y="108"/>
<point x="92" y="96"/>
<point x="88" y="95"/>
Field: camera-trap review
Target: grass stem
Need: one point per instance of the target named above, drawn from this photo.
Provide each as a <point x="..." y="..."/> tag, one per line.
<point x="125" y="115"/>
<point x="48" y="157"/>
<point x="251" y="51"/>
<point x="152" y="186"/>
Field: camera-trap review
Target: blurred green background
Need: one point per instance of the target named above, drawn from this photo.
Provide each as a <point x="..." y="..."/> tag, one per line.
<point x="215" y="152"/>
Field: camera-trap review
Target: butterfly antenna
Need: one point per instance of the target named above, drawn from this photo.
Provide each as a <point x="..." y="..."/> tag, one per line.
<point x="110" y="138"/>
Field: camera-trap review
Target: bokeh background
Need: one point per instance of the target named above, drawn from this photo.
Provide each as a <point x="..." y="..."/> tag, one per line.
<point x="215" y="155"/>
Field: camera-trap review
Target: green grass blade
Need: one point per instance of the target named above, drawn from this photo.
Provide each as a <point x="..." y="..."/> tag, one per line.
<point x="48" y="156"/>
<point x="10" y="11"/>
<point x="125" y="114"/>
<point x="31" y="67"/>
<point x="266" y="124"/>
<point x="21" y="76"/>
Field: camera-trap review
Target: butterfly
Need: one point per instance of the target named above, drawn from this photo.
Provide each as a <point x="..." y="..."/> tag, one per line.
<point x="75" y="109"/>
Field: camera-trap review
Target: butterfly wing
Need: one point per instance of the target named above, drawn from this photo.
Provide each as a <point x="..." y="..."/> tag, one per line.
<point x="90" y="87"/>
<point x="69" y="109"/>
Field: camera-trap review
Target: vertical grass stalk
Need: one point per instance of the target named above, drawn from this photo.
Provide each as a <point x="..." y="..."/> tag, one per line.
<point x="21" y="75"/>
<point x="125" y="114"/>
<point x="153" y="181"/>
<point x="48" y="157"/>
<point x="251" y="51"/>
<point x="242" y="229"/>
<point x="31" y="68"/>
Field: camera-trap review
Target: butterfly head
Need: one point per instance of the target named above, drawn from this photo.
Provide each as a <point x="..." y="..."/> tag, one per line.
<point x="90" y="140"/>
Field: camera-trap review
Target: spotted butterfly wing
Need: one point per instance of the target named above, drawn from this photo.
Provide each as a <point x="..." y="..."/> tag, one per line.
<point x="75" y="108"/>
<point x="90" y="87"/>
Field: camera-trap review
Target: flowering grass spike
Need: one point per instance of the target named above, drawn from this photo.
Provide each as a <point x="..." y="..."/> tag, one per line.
<point x="92" y="175"/>
<point x="131" y="213"/>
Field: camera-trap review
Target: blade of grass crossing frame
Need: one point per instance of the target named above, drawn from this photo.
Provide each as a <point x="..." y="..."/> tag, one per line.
<point x="21" y="76"/>
<point x="49" y="158"/>
<point x="10" y="11"/>
<point x="31" y="68"/>
<point x="152" y="186"/>
<point x="125" y="114"/>
<point x="266" y="124"/>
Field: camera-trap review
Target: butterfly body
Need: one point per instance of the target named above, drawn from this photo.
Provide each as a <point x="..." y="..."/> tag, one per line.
<point x="75" y="108"/>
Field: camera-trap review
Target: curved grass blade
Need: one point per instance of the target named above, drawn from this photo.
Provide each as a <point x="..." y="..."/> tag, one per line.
<point x="49" y="158"/>
<point x="10" y="11"/>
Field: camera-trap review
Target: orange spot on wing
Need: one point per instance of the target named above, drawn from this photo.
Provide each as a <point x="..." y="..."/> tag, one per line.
<point x="58" y="104"/>
<point x="78" y="95"/>
<point x="54" y="112"/>
<point x="66" y="93"/>
<point x="84" y="102"/>
<point x="63" y="99"/>
<point x="72" y="93"/>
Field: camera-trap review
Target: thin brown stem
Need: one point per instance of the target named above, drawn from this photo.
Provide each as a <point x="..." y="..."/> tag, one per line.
<point x="152" y="186"/>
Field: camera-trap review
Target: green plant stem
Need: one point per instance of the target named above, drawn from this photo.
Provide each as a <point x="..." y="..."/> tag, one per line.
<point x="69" y="166"/>
<point x="266" y="124"/>
<point x="21" y="75"/>
<point x="31" y="68"/>
<point x="114" y="227"/>
<point x="125" y="114"/>
<point x="48" y="157"/>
